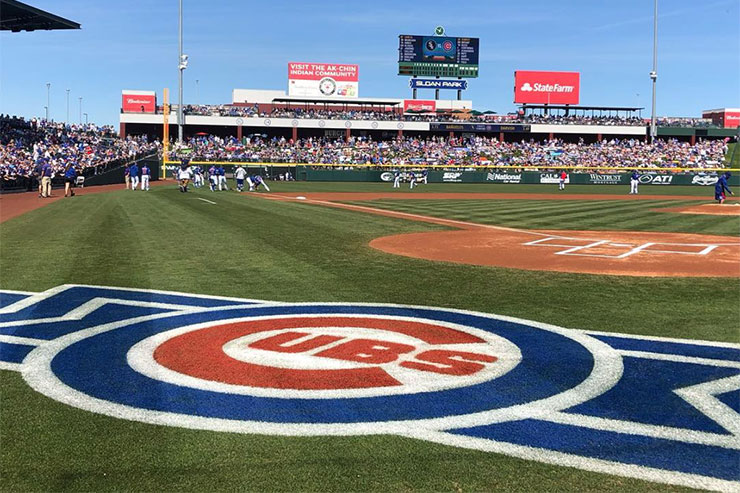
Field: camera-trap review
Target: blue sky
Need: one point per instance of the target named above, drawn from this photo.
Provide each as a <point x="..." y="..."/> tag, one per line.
<point x="248" y="44"/>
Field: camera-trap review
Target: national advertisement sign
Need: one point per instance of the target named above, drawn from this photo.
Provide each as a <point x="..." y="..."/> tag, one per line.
<point x="534" y="87"/>
<point x="419" y="106"/>
<point x="459" y="85"/>
<point x="138" y="101"/>
<point x="504" y="177"/>
<point x="323" y="80"/>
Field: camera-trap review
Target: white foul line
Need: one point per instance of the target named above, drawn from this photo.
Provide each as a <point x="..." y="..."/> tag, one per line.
<point x="206" y="200"/>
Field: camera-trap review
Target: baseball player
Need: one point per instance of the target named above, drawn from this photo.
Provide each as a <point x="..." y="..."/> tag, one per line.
<point x="255" y="181"/>
<point x="240" y="174"/>
<point x="634" y="181"/>
<point x="424" y="176"/>
<point x="184" y="174"/>
<point x="134" y="171"/>
<point x="212" y="178"/>
<point x="720" y="187"/>
<point x="197" y="177"/>
<point x="412" y="177"/>
<point x="221" y="178"/>
<point x="561" y="181"/>
<point x="146" y="174"/>
<point x="70" y="176"/>
<point x="396" y="179"/>
<point x="126" y="175"/>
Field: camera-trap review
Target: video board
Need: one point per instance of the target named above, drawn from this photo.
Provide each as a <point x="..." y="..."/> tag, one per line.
<point x="438" y="56"/>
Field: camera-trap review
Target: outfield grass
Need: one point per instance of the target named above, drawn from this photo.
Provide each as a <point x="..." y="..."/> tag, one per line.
<point x="250" y="247"/>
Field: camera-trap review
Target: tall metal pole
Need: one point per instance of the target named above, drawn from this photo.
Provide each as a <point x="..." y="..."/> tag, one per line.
<point x="80" y="98"/>
<point x="67" y="119"/>
<point x="179" y="95"/>
<point x="48" y="100"/>
<point x="654" y="73"/>
<point x="197" y="92"/>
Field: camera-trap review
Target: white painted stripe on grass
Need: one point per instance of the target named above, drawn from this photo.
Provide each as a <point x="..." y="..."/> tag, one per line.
<point x="4" y="365"/>
<point x="577" y="461"/>
<point x="206" y="200"/>
<point x="26" y="341"/>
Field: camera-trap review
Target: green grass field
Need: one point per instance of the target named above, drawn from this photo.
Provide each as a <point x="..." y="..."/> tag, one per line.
<point x="246" y="246"/>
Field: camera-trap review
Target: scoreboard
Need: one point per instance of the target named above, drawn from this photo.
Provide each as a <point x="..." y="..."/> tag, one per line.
<point x="438" y="56"/>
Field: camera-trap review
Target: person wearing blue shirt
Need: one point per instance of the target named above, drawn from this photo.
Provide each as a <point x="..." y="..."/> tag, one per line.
<point x="70" y="176"/>
<point x="134" y="171"/>
<point x="412" y="177"/>
<point x="634" y="181"/>
<point x="255" y="181"/>
<point x="396" y="179"/>
<point x="46" y="174"/>
<point x="221" y="178"/>
<point x="424" y="176"/>
<point x="146" y="174"/>
<point x="720" y="187"/>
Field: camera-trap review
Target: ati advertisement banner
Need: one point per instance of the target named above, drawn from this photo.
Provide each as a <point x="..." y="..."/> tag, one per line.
<point x="419" y="106"/>
<point x="533" y="87"/>
<point x="323" y="80"/>
<point x="139" y="101"/>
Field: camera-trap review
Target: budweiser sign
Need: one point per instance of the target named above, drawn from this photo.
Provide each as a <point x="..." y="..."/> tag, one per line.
<point x="546" y="87"/>
<point x="419" y="106"/>
<point x="139" y="101"/>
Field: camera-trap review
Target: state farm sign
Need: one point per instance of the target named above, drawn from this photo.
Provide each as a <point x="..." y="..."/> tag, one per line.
<point x="138" y="101"/>
<point x="532" y="87"/>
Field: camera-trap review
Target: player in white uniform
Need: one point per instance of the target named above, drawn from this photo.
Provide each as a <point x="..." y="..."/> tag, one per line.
<point x="184" y="174"/>
<point x="634" y="182"/>
<point x="396" y="179"/>
<point x="240" y="174"/>
<point x="413" y="180"/>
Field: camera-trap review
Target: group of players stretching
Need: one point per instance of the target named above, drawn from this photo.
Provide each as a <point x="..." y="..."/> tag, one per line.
<point x="217" y="178"/>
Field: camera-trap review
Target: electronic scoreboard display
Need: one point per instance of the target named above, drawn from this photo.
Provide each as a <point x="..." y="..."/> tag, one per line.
<point x="440" y="56"/>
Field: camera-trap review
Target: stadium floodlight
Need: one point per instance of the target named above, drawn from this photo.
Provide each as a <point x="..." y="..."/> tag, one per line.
<point x="48" y="100"/>
<point x="183" y="64"/>
<point x="654" y="72"/>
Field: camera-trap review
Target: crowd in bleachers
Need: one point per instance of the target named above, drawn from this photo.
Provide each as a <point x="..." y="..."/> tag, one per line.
<point x="442" y="116"/>
<point x="475" y="151"/>
<point x="25" y="145"/>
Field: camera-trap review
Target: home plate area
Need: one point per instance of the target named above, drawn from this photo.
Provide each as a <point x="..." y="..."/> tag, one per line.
<point x="609" y="249"/>
<point x="622" y="253"/>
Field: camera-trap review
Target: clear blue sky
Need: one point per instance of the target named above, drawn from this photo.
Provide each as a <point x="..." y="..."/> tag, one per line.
<point x="248" y="44"/>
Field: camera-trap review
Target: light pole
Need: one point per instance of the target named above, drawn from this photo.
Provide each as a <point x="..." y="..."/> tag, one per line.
<point x="46" y="112"/>
<point x="197" y="91"/>
<point x="182" y="65"/>
<point x="85" y="118"/>
<point x="80" y="98"/>
<point x="67" y="119"/>
<point x="654" y="73"/>
<point x="48" y="90"/>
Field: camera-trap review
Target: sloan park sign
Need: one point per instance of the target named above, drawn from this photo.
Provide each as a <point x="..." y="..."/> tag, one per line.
<point x="459" y="85"/>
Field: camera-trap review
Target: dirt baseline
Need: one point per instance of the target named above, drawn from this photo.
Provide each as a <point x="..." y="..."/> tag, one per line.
<point x="622" y="253"/>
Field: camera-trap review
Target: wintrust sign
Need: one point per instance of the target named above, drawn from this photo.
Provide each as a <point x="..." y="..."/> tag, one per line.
<point x="546" y="87"/>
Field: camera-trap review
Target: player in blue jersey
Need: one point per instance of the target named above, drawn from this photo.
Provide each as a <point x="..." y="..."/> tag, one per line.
<point x="396" y="179"/>
<point x="424" y="176"/>
<point x="134" y="171"/>
<point x="255" y="181"/>
<point x="70" y="176"/>
<point x="412" y="179"/>
<point x="197" y="176"/>
<point x="221" y="178"/>
<point x="720" y="187"/>
<point x="634" y="181"/>
<point x="212" y="178"/>
<point x="146" y="174"/>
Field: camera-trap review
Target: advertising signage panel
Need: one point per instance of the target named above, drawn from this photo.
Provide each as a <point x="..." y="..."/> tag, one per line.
<point x="323" y="80"/>
<point x="460" y="85"/>
<point x="440" y="56"/>
<point x="138" y="101"/>
<point x="533" y="87"/>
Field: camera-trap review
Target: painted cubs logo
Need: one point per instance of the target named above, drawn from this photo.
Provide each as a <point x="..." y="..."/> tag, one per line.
<point x="662" y="410"/>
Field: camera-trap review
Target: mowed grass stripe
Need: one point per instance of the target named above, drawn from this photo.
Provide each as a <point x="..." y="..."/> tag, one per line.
<point x="574" y="215"/>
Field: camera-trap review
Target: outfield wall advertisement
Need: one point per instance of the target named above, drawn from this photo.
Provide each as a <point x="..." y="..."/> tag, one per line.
<point x="526" y="177"/>
<point x="535" y="87"/>
<point x="323" y="80"/>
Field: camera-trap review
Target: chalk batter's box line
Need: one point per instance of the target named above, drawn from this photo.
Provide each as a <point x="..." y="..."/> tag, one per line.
<point x="577" y="250"/>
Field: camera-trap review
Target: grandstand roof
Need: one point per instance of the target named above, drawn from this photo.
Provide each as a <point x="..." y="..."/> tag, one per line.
<point x="347" y="101"/>
<point x="17" y="16"/>
<point x="580" y="108"/>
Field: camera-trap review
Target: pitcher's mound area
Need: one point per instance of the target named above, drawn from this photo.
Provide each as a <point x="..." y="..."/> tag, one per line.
<point x="624" y="253"/>
<point x="727" y="209"/>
